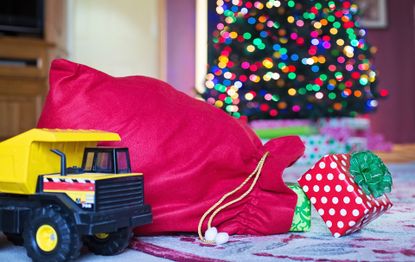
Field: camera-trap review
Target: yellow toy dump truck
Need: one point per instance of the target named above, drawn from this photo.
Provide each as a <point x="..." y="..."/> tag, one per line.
<point x="52" y="209"/>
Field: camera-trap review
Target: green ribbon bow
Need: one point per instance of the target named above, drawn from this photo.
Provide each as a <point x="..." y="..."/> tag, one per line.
<point x="370" y="173"/>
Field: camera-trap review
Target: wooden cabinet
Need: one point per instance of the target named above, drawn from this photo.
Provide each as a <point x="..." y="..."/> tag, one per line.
<point x="24" y="66"/>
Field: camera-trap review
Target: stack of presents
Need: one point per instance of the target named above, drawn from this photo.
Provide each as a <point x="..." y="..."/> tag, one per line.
<point x="346" y="182"/>
<point x="325" y="136"/>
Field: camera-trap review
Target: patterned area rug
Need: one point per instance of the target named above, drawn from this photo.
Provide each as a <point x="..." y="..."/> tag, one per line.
<point x="391" y="237"/>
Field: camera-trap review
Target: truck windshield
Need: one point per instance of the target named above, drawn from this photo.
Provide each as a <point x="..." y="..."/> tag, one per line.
<point x="104" y="162"/>
<point x="101" y="160"/>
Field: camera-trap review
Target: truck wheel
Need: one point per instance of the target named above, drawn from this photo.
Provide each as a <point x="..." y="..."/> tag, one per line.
<point x="108" y="244"/>
<point x="16" y="239"/>
<point x="51" y="235"/>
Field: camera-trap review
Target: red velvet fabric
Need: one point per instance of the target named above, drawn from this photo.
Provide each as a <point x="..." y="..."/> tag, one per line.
<point x="191" y="153"/>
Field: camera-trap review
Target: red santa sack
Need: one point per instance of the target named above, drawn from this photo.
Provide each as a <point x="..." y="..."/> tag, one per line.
<point x="190" y="152"/>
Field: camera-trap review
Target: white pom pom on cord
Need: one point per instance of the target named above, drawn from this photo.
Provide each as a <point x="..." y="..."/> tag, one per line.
<point x="221" y="238"/>
<point x="210" y="234"/>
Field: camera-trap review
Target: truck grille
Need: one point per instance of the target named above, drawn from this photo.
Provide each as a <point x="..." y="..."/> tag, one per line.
<point x="118" y="192"/>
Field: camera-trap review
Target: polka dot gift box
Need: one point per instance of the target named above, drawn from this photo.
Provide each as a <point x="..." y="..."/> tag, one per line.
<point x="348" y="190"/>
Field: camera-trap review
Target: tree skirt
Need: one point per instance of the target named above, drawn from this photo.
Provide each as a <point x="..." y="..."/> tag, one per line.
<point x="391" y="237"/>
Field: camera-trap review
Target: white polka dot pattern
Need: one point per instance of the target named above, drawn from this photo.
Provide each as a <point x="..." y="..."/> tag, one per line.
<point x="346" y="200"/>
<point x="338" y="199"/>
<point x="326" y="188"/>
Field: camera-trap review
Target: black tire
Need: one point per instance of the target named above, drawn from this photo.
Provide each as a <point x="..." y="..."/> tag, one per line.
<point x="114" y="243"/>
<point x="16" y="239"/>
<point x="68" y="243"/>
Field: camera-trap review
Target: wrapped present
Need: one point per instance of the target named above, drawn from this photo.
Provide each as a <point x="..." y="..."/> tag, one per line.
<point x="348" y="190"/>
<point x="269" y="123"/>
<point x="345" y="128"/>
<point x="269" y="133"/>
<point x="302" y="214"/>
<point x="338" y="133"/>
<point x="317" y="146"/>
<point x="356" y="132"/>
<point x="356" y="144"/>
<point x="356" y="124"/>
<point x="377" y="142"/>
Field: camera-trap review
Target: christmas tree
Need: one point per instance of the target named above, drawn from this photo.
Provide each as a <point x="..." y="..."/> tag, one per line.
<point x="290" y="59"/>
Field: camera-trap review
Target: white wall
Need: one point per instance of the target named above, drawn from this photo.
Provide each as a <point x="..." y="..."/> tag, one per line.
<point x="119" y="37"/>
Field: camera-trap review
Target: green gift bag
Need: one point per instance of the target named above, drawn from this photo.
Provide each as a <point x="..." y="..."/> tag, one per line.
<point x="302" y="215"/>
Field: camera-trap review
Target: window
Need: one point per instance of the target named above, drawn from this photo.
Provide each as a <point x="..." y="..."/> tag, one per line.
<point x="89" y="162"/>
<point x="123" y="162"/>
<point x="103" y="162"/>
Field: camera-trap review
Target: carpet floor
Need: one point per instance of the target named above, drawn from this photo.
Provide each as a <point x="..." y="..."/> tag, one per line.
<point x="391" y="237"/>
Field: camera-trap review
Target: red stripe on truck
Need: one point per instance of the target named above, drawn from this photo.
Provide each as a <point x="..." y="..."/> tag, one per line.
<point x="65" y="186"/>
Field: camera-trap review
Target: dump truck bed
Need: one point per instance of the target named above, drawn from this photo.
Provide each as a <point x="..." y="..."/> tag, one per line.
<point x="26" y="156"/>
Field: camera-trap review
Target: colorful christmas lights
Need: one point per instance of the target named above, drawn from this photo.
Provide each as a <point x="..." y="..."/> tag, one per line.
<point x="290" y="59"/>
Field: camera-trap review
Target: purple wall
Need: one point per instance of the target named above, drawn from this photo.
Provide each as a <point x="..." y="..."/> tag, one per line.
<point x="395" y="62"/>
<point x="181" y="20"/>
